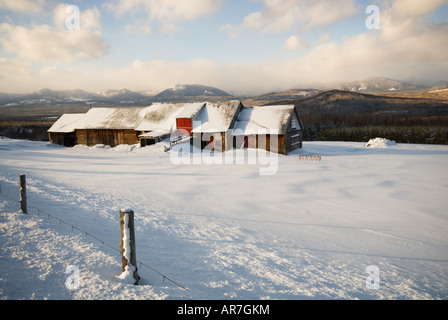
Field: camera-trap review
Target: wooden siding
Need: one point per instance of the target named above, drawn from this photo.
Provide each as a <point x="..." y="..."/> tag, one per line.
<point x="64" y="139"/>
<point x="261" y="142"/>
<point x="91" y="137"/>
<point x="293" y="138"/>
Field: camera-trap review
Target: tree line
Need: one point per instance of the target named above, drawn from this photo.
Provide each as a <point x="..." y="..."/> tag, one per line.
<point x="362" y="127"/>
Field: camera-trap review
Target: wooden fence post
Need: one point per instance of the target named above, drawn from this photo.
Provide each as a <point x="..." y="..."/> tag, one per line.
<point x="22" y="185"/>
<point x="127" y="246"/>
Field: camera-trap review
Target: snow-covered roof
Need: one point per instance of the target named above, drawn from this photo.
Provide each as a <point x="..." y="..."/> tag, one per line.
<point x="154" y="134"/>
<point x="159" y="116"/>
<point x="217" y="116"/>
<point x="66" y="123"/>
<point x="252" y="119"/>
<point x="190" y="109"/>
<point x="112" y="118"/>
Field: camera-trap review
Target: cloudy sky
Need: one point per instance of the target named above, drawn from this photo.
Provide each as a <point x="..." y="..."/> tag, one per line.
<point x="241" y="46"/>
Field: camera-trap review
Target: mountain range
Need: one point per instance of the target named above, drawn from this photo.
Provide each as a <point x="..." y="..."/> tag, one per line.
<point x="186" y="92"/>
<point x="196" y="92"/>
<point x="386" y="85"/>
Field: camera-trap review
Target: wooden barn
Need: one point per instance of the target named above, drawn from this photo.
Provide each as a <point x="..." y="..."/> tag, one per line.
<point x="110" y="126"/>
<point x="256" y="126"/>
<point x="63" y="130"/>
<point x="216" y="119"/>
<point x="221" y="125"/>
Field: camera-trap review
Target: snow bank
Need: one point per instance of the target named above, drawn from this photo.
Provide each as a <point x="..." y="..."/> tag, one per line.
<point x="380" y="143"/>
<point x="119" y="148"/>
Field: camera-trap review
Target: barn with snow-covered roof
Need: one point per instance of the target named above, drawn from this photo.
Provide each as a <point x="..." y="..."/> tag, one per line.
<point x="220" y="125"/>
<point x="109" y="126"/>
<point x="63" y="130"/>
<point x="273" y="128"/>
<point x="214" y="122"/>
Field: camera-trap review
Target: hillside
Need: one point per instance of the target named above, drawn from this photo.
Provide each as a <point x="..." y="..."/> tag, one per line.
<point x="346" y="102"/>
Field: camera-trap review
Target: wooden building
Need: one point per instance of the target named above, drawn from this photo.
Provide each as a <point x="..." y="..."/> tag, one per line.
<point x="221" y="125"/>
<point x="215" y="121"/>
<point x="63" y="130"/>
<point x="109" y="126"/>
<point x="273" y="128"/>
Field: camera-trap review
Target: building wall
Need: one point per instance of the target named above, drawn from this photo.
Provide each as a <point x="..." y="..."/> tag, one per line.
<point x="294" y="133"/>
<point x="56" y="138"/>
<point x="64" y="139"/>
<point x="106" y="136"/>
<point x="266" y="142"/>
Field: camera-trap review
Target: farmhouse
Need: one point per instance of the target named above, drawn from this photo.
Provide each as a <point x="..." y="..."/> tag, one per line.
<point x="218" y="125"/>
<point x="273" y="128"/>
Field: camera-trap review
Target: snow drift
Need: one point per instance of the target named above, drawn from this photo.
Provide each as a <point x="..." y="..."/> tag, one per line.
<point x="380" y="143"/>
<point x="311" y="231"/>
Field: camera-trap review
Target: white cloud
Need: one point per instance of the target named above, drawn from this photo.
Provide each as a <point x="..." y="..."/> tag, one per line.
<point x="405" y="46"/>
<point x="283" y="15"/>
<point x="141" y="27"/>
<point x="416" y="49"/>
<point x="23" y="6"/>
<point x="413" y="8"/>
<point x="56" y="43"/>
<point x="294" y="43"/>
<point x="324" y="37"/>
<point x="168" y="12"/>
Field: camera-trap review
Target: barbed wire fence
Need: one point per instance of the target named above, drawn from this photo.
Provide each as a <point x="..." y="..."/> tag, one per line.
<point x="33" y="209"/>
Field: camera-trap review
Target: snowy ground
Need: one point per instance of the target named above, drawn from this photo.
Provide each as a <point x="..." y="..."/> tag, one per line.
<point x="309" y="231"/>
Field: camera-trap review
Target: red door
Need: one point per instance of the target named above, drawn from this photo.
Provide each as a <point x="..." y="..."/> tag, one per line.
<point x="184" y="123"/>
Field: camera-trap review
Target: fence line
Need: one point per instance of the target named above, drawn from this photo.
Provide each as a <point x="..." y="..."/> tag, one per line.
<point x="39" y="211"/>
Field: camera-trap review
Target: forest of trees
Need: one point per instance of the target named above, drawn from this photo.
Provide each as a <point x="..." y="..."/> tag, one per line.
<point x="35" y="131"/>
<point x="362" y="127"/>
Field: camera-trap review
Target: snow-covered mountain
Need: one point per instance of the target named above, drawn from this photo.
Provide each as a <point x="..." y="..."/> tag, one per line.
<point x="181" y="91"/>
<point x="123" y="96"/>
<point x="123" y="93"/>
<point x="111" y="96"/>
<point x="379" y="84"/>
<point x="48" y="96"/>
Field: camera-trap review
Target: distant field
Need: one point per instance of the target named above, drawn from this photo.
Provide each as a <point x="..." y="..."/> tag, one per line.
<point x="39" y="112"/>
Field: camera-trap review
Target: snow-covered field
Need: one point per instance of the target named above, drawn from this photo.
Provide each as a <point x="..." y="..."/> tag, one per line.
<point x="309" y="231"/>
